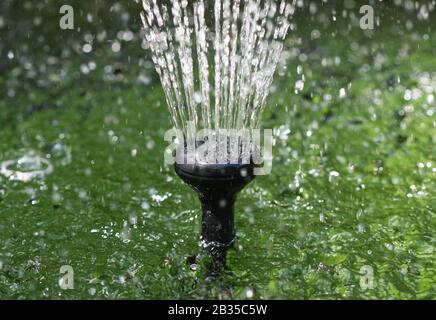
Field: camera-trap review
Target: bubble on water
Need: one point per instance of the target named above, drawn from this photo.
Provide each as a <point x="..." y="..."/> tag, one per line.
<point x="28" y="167"/>
<point x="316" y="34"/>
<point x="302" y="57"/>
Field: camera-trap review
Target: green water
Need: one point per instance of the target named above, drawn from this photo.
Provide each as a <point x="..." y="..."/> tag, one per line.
<point x="352" y="188"/>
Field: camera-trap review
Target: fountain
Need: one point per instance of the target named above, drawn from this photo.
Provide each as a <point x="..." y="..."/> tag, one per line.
<point x="216" y="61"/>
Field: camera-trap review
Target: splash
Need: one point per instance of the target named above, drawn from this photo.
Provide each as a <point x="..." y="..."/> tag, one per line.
<point x="28" y="167"/>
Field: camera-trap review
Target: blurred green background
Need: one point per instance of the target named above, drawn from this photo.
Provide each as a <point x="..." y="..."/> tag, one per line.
<point x="348" y="211"/>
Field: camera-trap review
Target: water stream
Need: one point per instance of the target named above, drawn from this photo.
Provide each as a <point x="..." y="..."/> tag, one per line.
<point x="216" y="63"/>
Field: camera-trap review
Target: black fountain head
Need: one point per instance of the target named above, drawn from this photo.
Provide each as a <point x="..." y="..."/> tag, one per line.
<point x="217" y="186"/>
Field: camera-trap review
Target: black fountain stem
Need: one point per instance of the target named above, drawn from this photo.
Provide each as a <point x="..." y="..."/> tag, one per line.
<point x="218" y="227"/>
<point x="217" y="186"/>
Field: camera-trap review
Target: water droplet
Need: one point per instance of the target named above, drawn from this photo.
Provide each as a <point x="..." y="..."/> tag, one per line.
<point x="249" y="293"/>
<point x="334" y="177"/>
<point x="244" y="172"/>
<point x="321" y="217"/>
<point x="133" y="219"/>
<point x="342" y="93"/>
<point x="116" y="46"/>
<point x="223" y="203"/>
<point x="145" y="205"/>
<point x="87" y="48"/>
<point x="61" y="153"/>
<point x="150" y="144"/>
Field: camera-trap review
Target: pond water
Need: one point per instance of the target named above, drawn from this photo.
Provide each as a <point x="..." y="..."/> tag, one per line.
<point x="347" y="212"/>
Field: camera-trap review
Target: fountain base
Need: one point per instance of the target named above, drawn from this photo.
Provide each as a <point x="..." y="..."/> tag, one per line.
<point x="217" y="186"/>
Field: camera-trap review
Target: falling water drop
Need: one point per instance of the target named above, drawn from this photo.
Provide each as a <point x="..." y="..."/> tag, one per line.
<point x="334" y="177"/>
